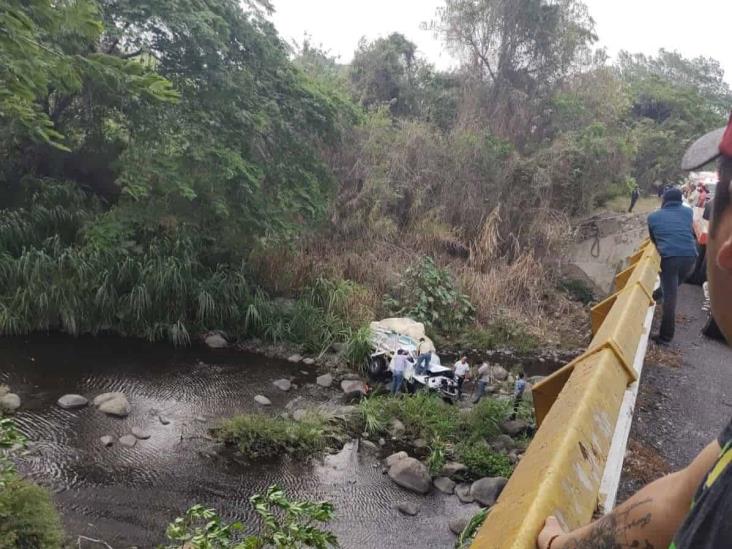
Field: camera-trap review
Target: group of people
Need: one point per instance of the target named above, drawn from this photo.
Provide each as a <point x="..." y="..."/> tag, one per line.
<point x="461" y="372"/>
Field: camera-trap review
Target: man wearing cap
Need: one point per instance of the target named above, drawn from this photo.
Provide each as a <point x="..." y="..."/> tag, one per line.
<point x="672" y="231"/>
<point x="692" y="508"/>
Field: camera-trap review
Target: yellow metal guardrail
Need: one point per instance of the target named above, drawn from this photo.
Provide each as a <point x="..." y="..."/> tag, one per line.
<point x="576" y="411"/>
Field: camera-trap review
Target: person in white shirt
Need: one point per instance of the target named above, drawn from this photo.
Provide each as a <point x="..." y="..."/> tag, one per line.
<point x="485" y="378"/>
<point x="460" y="370"/>
<point x="400" y="365"/>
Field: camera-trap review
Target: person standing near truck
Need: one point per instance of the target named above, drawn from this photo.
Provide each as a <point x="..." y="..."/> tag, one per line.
<point x="634" y="196"/>
<point x="672" y="231"/>
<point x="400" y="365"/>
<point x="460" y="370"/>
<point x="424" y="357"/>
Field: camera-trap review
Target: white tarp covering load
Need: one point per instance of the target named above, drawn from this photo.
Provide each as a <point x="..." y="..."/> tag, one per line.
<point x="402" y="326"/>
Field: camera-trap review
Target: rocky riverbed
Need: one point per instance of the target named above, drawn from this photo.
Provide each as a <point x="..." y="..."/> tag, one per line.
<point x="122" y="476"/>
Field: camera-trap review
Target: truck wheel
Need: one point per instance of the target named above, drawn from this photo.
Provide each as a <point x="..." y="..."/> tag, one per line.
<point x="699" y="276"/>
<point x="376" y="367"/>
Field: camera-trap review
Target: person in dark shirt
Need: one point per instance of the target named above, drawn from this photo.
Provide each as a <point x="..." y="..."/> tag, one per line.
<point x="672" y="231"/>
<point x="692" y="508"/>
<point x="634" y="196"/>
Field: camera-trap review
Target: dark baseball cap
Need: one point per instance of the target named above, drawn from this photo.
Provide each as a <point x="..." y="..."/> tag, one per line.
<point x="709" y="147"/>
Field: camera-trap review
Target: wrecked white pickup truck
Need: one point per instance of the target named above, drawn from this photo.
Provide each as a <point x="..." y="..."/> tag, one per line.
<point x="392" y="334"/>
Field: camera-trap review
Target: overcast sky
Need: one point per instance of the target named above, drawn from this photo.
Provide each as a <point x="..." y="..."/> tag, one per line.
<point x="698" y="27"/>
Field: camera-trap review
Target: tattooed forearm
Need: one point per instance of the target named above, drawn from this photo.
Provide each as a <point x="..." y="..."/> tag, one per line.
<point x="620" y="529"/>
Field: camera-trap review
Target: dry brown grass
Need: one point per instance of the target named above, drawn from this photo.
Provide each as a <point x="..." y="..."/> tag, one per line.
<point x="663" y="356"/>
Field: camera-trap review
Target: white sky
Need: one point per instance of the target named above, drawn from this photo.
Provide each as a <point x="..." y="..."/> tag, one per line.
<point x="698" y="27"/>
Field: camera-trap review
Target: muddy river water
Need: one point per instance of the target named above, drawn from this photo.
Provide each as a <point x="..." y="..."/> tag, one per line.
<point x="126" y="496"/>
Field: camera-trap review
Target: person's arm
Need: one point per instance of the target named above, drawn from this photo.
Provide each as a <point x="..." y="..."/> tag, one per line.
<point x="650" y="233"/>
<point x="649" y="519"/>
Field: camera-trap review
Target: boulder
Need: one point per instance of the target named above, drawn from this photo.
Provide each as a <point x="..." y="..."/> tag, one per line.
<point x="407" y="508"/>
<point x="139" y="433"/>
<point x="444" y="485"/>
<point x="499" y="373"/>
<point x="299" y="415"/>
<point x="452" y="468"/>
<point x="486" y="490"/>
<point x="411" y="474"/>
<point x="394" y="458"/>
<point x="353" y="386"/>
<point x="514" y="427"/>
<point x="294" y="404"/>
<point x="294" y="358"/>
<point x="216" y="341"/>
<point x="397" y="428"/>
<point x="262" y="400"/>
<point x="458" y="524"/>
<point x="282" y="384"/>
<point x="9" y="402"/>
<point x="107" y="440"/>
<point x="308" y="361"/>
<point x="118" y="406"/>
<point x="462" y="491"/>
<point x="71" y="402"/>
<point x="503" y="443"/>
<point x="368" y="445"/>
<point x="420" y="443"/>
<point x="326" y="380"/>
<point x="128" y="441"/>
<point x="164" y="420"/>
<point x="382" y="442"/>
<point x="104" y="397"/>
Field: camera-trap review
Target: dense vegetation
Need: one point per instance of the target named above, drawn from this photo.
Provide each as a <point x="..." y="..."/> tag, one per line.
<point x="27" y="516"/>
<point x="174" y="167"/>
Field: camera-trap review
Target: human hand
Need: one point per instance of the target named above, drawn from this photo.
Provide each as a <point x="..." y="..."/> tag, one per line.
<point x="551" y="530"/>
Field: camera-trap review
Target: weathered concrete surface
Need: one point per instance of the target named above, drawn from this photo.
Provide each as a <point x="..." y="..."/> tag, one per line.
<point x="685" y="396"/>
<point x="604" y="242"/>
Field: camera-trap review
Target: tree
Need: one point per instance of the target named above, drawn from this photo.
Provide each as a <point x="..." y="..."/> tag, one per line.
<point x="521" y="48"/>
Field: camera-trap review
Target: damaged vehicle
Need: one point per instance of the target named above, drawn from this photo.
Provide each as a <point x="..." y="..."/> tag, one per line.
<point x="390" y="335"/>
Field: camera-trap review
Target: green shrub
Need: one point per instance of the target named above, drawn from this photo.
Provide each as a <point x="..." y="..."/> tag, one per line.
<point x="430" y="295"/>
<point x="466" y="537"/>
<point x="483" y="420"/>
<point x="28" y="519"/>
<point x="482" y="462"/>
<point x="502" y="332"/>
<point x="358" y="347"/>
<point x="287" y="525"/>
<point x="258" y="436"/>
<point x="424" y="415"/>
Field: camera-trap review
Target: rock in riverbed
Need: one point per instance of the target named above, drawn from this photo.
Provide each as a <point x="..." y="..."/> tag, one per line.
<point x="114" y="404"/>
<point x="140" y="433"/>
<point x="299" y="414"/>
<point x="514" y="427"/>
<point x="107" y="440"/>
<point x="407" y="508"/>
<point x="397" y="428"/>
<point x="282" y="384"/>
<point x="326" y="380"/>
<point x="216" y="341"/>
<point x="445" y="485"/>
<point x="9" y="402"/>
<point x="262" y="400"/>
<point x="394" y="458"/>
<point x="308" y="361"/>
<point x="72" y="402"/>
<point x="295" y="358"/>
<point x="351" y="386"/>
<point x="452" y="468"/>
<point x="458" y="524"/>
<point x="462" y="491"/>
<point x="411" y="474"/>
<point x="486" y="490"/>
<point x="128" y="441"/>
<point x="104" y="397"/>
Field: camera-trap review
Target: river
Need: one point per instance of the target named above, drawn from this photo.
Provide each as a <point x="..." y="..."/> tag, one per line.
<point x="128" y="496"/>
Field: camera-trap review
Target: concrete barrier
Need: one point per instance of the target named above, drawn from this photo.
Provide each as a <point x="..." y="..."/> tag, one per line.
<point x="577" y="409"/>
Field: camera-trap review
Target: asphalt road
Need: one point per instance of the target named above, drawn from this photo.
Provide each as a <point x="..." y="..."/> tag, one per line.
<point x="685" y="397"/>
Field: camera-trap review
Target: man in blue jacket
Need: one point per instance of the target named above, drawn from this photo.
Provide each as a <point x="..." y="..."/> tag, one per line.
<point x="671" y="229"/>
